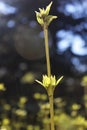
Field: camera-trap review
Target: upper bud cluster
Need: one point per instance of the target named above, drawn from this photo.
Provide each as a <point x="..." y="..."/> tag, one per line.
<point x="43" y="16"/>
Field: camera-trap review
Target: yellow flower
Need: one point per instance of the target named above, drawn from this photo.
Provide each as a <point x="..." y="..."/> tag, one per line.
<point x="46" y="81"/>
<point x="49" y="81"/>
<point x="84" y="81"/>
<point x="80" y="121"/>
<point x="23" y="100"/>
<point x="5" y="121"/>
<point x="2" y="87"/>
<point x="21" y="113"/>
<point x="43" y="16"/>
<point x="37" y="96"/>
<point x="76" y="106"/>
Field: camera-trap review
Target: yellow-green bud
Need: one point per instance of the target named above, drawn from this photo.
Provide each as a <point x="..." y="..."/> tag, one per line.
<point x="49" y="81"/>
<point x="43" y="16"/>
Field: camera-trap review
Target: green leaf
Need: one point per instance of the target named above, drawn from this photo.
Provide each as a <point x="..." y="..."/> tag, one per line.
<point x="39" y="82"/>
<point x="40" y="21"/>
<point x="58" y="81"/>
<point x="48" y="8"/>
<point x="50" y="18"/>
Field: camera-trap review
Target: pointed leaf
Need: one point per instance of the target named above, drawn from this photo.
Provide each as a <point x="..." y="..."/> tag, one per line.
<point x="37" y="14"/>
<point x="50" y="19"/>
<point x="42" y="11"/>
<point x="40" y="21"/>
<point x="58" y="81"/>
<point x="39" y="82"/>
<point x="48" y="8"/>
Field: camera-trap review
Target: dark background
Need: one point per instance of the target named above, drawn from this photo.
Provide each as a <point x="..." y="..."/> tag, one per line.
<point x="22" y="47"/>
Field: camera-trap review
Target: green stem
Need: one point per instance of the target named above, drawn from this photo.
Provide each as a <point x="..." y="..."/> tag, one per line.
<point x="50" y="90"/>
<point x="51" y="111"/>
<point x="47" y="51"/>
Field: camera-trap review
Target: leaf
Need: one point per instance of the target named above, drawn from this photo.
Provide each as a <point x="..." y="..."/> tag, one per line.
<point x="50" y="18"/>
<point x="39" y="82"/>
<point x="58" y="81"/>
<point x="40" y="21"/>
<point x="48" y="8"/>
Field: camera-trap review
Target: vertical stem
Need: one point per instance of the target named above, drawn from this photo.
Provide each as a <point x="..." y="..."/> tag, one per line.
<point x="47" y="51"/>
<point x="50" y="90"/>
<point x="51" y="111"/>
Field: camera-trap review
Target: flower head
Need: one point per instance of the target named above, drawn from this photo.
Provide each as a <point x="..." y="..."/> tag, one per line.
<point x="43" y="16"/>
<point x="49" y="81"/>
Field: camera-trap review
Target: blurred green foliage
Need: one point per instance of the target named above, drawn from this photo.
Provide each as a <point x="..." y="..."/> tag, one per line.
<point x="17" y="115"/>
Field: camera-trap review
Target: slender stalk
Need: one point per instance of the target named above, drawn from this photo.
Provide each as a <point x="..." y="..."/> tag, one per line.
<point x="44" y="19"/>
<point x="51" y="111"/>
<point x="50" y="91"/>
<point x="47" y="51"/>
